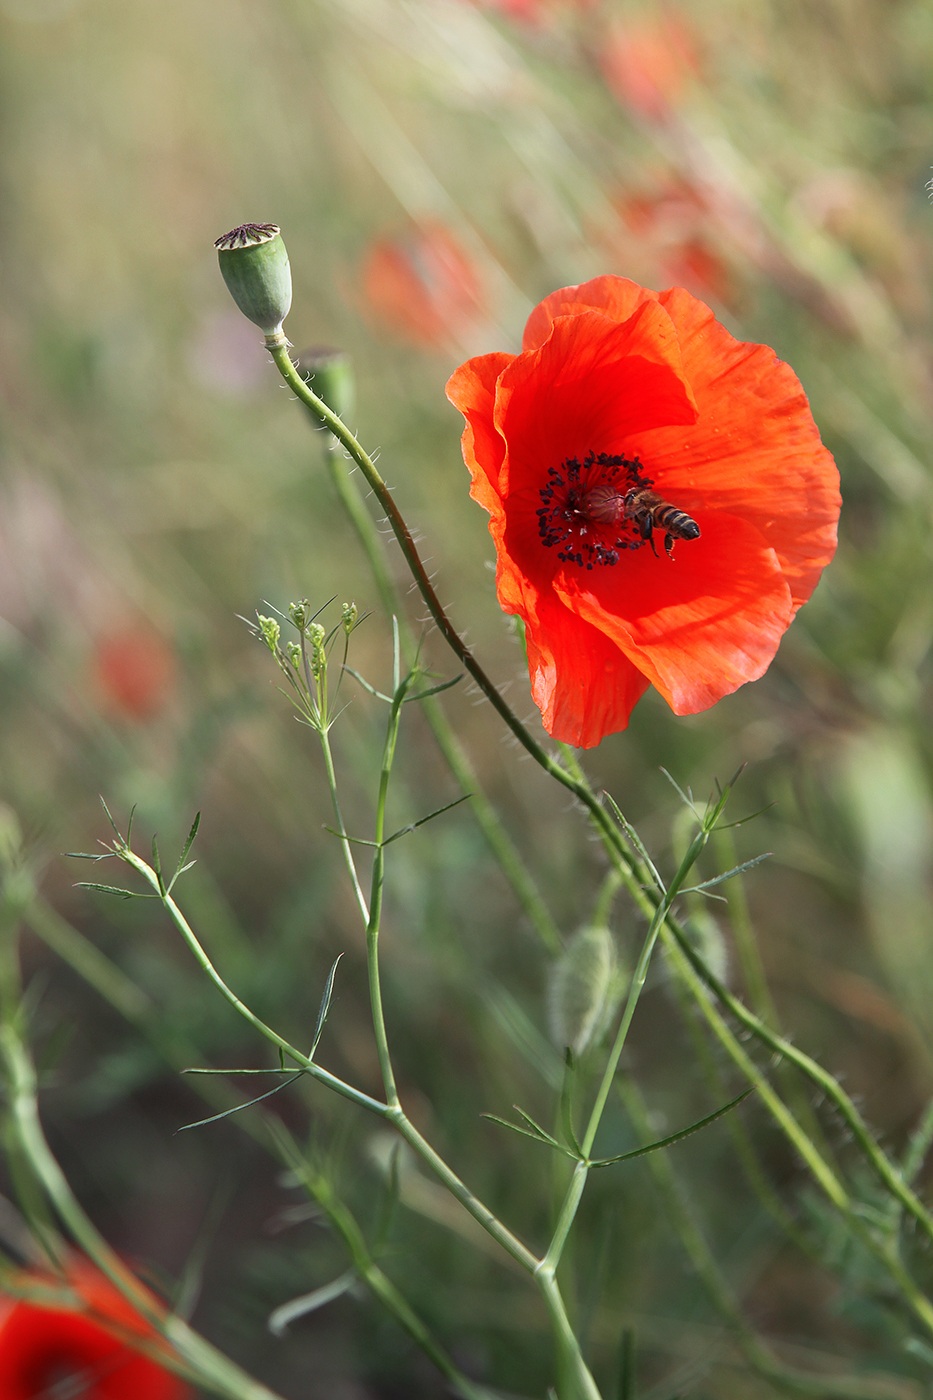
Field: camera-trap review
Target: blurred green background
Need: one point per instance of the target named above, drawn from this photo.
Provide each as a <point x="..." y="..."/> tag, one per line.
<point x="437" y="166"/>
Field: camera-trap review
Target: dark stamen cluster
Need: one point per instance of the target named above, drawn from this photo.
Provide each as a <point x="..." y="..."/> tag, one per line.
<point x="583" y="510"/>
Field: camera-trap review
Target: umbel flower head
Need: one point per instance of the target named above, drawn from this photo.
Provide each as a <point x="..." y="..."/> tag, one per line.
<point x="82" y="1350"/>
<point x="631" y="420"/>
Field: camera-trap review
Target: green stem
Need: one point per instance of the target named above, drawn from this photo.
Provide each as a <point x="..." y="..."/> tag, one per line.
<point x="461" y="1192"/>
<point x="347" y="1091"/>
<point x="341" y="829"/>
<point x="135" y="1006"/>
<point x="574" y="1378"/>
<point x="201" y="1362"/>
<point x="485" y="814"/>
<point x="393" y="1113"/>
<point x="377" y="887"/>
<point x="679" y="1209"/>
<point x="320" y="1188"/>
<point x="277" y="347"/>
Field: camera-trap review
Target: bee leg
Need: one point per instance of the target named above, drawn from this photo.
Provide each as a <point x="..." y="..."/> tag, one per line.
<point x="669" y="546"/>
<point x="647" y="533"/>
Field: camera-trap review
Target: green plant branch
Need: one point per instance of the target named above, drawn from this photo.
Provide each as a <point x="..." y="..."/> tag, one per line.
<point x="637" y="878"/>
<point x="140" y="1011"/>
<point x="485" y="814"/>
<point x="393" y="1114"/>
<point x="320" y="1188"/>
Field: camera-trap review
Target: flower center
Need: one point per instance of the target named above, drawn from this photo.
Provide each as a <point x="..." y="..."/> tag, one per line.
<point x="594" y="509"/>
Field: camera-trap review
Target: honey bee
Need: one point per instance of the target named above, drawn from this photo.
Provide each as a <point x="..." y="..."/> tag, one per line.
<point x="648" y="512"/>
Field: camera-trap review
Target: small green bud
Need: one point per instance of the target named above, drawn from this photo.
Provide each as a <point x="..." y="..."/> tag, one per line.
<point x="254" y="265"/>
<point x="293" y="652"/>
<point x="270" y="632"/>
<point x="316" y="635"/>
<point x="300" y="613"/>
<point x="350" y="614"/>
<point x="330" y="374"/>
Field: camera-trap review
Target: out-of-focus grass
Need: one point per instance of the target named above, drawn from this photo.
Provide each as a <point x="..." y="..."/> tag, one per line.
<point x="154" y="476"/>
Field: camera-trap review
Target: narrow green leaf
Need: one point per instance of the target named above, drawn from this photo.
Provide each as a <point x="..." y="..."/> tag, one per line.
<point x="675" y="1137"/>
<point x="535" y="1126"/>
<point x="196" y="1069"/>
<point x="110" y="817"/>
<point x="112" y="889"/>
<point x="685" y="797"/>
<point x="324" y="1007"/>
<point x="635" y="840"/>
<point x="526" y="1132"/>
<point x="345" y="836"/>
<point x="157" y="867"/>
<point x="216" y="1117"/>
<point x="413" y="826"/>
<point x="758" y="812"/>
<point x="728" y="874"/>
<point x="181" y="867"/>
<point x="377" y="694"/>
<point x="288" y="1313"/>
<point x="434" y="690"/>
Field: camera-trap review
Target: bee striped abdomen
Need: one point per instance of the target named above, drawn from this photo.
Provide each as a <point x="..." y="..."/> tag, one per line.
<point x="648" y="512"/>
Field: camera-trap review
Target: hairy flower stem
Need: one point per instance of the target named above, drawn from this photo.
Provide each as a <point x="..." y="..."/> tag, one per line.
<point x="277" y="348"/>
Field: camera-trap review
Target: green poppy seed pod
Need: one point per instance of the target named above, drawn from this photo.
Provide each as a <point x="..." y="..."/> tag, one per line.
<point x="329" y="373"/>
<point x="583" y="989"/>
<point x="254" y="265"/>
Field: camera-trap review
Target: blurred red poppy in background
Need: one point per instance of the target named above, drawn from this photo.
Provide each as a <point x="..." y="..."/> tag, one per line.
<point x="678" y="223"/>
<point x="648" y="63"/>
<point x="630" y="419"/>
<point x="85" y="1352"/>
<point x="134" y="671"/>
<point x="533" y="12"/>
<point x="422" y="285"/>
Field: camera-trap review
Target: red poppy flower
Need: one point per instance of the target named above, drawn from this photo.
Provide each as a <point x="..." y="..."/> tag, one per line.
<point x="631" y="419"/>
<point x="678" y="224"/>
<point x="648" y="64"/>
<point x="86" y="1351"/>
<point x="134" y="671"/>
<point x="422" y="285"/>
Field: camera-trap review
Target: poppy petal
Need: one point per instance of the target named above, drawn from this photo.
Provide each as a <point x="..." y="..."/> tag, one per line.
<point x="754" y="451"/>
<point x="472" y="389"/>
<point x="593" y="383"/>
<point x="584" y="686"/>
<point x="617" y="296"/>
<point x="698" y="625"/>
